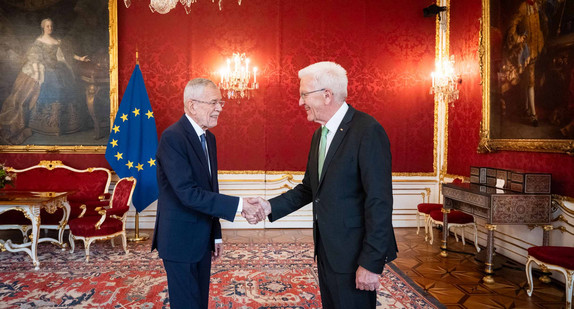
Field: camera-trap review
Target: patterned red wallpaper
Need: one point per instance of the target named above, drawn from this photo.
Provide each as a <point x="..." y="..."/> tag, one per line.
<point x="466" y="115"/>
<point x="388" y="55"/>
<point x="387" y="48"/>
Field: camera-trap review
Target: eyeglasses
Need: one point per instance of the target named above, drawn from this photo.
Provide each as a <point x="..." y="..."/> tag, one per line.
<point x="305" y="94"/>
<point x="212" y="102"/>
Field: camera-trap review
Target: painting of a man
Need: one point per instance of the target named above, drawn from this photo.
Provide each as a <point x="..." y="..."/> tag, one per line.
<point x="532" y="69"/>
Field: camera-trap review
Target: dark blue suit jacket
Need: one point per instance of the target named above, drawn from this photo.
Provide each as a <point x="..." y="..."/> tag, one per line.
<point x="189" y="204"/>
<point x="353" y="200"/>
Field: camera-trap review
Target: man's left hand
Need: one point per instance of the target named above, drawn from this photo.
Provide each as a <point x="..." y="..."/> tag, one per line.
<point x="217" y="252"/>
<point x="366" y="280"/>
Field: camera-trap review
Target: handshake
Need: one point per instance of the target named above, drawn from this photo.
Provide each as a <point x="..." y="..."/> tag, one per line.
<point x="255" y="209"/>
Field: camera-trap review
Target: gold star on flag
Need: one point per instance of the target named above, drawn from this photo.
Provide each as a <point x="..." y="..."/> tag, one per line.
<point x="151" y="162"/>
<point x="116" y="129"/>
<point x="119" y="155"/>
<point x="139" y="166"/>
<point x="114" y="142"/>
<point x="136" y="112"/>
<point x="149" y="114"/>
<point x="130" y="164"/>
<point x="124" y="117"/>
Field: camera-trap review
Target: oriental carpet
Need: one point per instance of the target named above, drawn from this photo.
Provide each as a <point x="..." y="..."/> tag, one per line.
<point x="252" y="275"/>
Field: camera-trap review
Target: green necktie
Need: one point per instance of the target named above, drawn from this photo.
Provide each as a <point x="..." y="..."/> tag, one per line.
<point x="322" y="149"/>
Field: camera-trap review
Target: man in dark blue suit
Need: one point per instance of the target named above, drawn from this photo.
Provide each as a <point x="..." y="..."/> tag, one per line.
<point x="187" y="229"/>
<point x="348" y="180"/>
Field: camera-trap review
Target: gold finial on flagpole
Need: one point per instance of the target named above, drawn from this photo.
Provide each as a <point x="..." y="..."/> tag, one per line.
<point x="137" y="56"/>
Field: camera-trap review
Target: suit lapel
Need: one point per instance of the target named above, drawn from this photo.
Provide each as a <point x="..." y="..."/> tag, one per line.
<point x="337" y="140"/>
<point x="212" y="151"/>
<point x="195" y="143"/>
<point x="314" y="159"/>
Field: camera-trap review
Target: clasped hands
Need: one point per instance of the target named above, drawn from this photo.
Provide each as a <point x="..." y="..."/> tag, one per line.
<point x="255" y="209"/>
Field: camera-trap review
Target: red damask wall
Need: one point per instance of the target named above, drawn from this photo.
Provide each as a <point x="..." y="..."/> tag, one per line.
<point x="465" y="116"/>
<point x="387" y="48"/>
<point x="388" y="55"/>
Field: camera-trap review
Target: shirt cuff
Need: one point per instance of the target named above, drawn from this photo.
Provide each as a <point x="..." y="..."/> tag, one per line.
<point x="240" y="206"/>
<point x="218" y="241"/>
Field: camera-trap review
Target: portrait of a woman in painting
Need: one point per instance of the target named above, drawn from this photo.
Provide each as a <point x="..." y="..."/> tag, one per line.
<point x="42" y="98"/>
<point x="48" y="49"/>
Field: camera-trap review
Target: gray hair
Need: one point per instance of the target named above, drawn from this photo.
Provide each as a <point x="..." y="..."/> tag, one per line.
<point x="328" y="75"/>
<point x="195" y="87"/>
<point x="44" y="21"/>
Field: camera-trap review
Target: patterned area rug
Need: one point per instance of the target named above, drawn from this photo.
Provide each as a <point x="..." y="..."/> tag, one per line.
<point x="249" y="276"/>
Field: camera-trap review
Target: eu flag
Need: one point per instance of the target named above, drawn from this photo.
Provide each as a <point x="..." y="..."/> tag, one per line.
<point x="133" y="142"/>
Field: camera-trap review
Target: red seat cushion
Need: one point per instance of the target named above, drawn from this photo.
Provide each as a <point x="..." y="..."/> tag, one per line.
<point x="86" y="226"/>
<point x="426" y="208"/>
<point x="454" y="216"/>
<point x="561" y="256"/>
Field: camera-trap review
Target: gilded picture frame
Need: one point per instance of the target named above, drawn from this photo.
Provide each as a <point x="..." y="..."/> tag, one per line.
<point x="59" y="89"/>
<point x="526" y="52"/>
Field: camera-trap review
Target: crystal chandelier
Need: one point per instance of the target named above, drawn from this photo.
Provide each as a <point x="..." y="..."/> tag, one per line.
<point x="236" y="77"/>
<point x="164" y="6"/>
<point x="445" y="81"/>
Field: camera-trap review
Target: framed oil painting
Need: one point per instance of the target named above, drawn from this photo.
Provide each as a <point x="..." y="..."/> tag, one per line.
<point x="58" y="87"/>
<point x="527" y="69"/>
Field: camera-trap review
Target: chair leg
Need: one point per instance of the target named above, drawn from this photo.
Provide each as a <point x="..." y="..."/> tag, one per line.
<point x="87" y="243"/>
<point x="476" y="238"/>
<point x="426" y="222"/>
<point x="462" y="235"/>
<point x="569" y="286"/>
<point x="431" y="232"/>
<point x="454" y="227"/>
<point x="124" y="242"/>
<point x="113" y="244"/>
<point x="72" y="245"/>
<point x="528" y="269"/>
<point x="418" y="222"/>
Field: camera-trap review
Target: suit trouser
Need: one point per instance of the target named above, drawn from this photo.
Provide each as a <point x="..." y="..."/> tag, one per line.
<point x="338" y="290"/>
<point x="188" y="283"/>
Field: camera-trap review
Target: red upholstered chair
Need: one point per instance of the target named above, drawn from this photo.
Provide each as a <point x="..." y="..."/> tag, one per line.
<point x="552" y="258"/>
<point x="424" y="209"/>
<point x="456" y="219"/>
<point x="110" y="221"/>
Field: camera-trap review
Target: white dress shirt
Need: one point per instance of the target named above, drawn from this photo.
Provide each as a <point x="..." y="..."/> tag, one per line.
<point x="334" y="123"/>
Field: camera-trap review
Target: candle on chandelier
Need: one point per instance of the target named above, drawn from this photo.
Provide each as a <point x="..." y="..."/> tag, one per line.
<point x="236" y="60"/>
<point x="247" y="65"/>
<point x="254" y="75"/>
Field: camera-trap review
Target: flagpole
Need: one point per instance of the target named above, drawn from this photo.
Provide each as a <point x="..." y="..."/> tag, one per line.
<point x="137" y="236"/>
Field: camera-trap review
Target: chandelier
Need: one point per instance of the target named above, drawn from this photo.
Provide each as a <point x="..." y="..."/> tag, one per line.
<point x="445" y="81"/>
<point x="236" y="77"/>
<point x="164" y="6"/>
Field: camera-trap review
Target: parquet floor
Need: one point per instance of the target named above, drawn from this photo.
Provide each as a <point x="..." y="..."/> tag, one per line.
<point x="455" y="281"/>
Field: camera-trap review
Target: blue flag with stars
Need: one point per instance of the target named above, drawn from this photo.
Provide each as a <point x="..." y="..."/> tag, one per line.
<point x="133" y="142"/>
